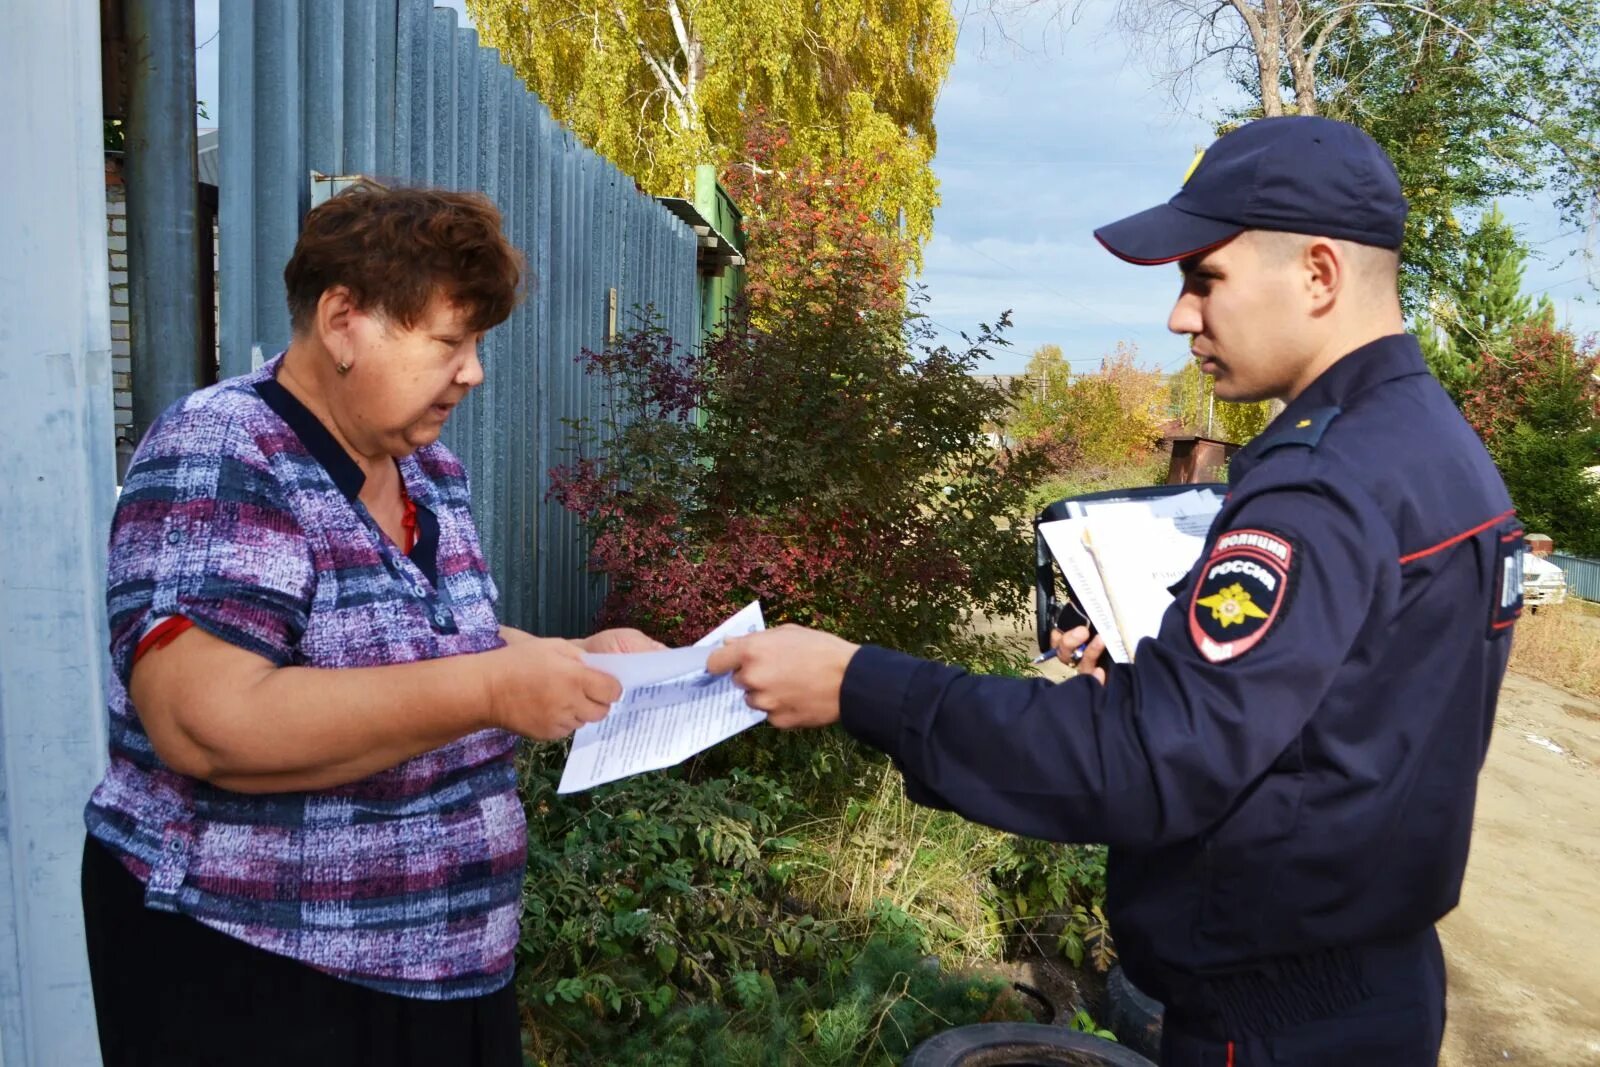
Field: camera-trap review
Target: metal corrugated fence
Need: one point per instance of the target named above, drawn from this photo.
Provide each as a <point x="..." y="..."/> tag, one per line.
<point x="398" y="88"/>
<point x="1583" y="575"/>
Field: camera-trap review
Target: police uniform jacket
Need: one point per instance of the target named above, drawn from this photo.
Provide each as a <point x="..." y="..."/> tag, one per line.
<point x="1287" y="771"/>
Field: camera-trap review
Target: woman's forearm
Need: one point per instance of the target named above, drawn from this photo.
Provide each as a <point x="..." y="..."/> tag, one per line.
<point x="217" y="712"/>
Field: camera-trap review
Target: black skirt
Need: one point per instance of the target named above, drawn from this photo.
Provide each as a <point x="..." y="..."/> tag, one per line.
<point x="172" y="992"/>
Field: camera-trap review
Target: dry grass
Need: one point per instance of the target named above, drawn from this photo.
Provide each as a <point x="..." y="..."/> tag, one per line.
<point x="932" y="865"/>
<point x="1561" y="645"/>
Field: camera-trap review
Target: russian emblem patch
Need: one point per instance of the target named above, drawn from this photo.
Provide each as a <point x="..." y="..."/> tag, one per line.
<point x="1242" y="590"/>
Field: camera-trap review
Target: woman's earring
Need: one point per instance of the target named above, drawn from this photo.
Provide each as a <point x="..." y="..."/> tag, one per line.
<point x="343" y="368"/>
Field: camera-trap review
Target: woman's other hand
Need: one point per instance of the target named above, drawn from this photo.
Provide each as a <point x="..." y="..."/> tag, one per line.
<point x="623" y="640"/>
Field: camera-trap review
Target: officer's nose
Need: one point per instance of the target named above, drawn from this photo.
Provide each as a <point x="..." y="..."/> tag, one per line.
<point x="1185" y="317"/>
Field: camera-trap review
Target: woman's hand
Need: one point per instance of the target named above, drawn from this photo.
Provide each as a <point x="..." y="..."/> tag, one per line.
<point x="624" y="640"/>
<point x="540" y="688"/>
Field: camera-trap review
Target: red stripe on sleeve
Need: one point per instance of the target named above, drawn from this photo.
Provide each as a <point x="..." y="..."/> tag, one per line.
<point x="161" y="635"/>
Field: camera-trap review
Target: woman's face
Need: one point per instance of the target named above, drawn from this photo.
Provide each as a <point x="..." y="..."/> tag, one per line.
<point x="403" y="383"/>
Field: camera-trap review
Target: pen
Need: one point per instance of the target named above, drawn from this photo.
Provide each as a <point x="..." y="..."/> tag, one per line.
<point x="1076" y="655"/>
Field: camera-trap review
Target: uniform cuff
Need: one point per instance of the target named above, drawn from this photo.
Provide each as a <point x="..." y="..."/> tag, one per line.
<point x="872" y="700"/>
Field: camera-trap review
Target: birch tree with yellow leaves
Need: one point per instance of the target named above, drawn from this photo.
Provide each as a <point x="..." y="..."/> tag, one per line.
<point x="659" y="86"/>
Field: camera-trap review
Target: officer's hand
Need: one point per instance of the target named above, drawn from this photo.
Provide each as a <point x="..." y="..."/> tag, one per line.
<point x="1090" y="663"/>
<point x="791" y="673"/>
<point x="1067" y="642"/>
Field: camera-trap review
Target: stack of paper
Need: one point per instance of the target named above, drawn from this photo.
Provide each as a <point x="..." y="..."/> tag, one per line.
<point x="1119" y="558"/>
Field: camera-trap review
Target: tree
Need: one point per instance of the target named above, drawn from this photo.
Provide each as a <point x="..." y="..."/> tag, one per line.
<point x="660" y="87"/>
<point x="1536" y="405"/>
<point x="1473" y="99"/>
<point x="1046" y="367"/>
<point x="1476" y="312"/>
<point x="1045" y="377"/>
<point x="1097" y="420"/>
<point x="1195" y="408"/>
<point x="821" y="453"/>
<point x="810" y="232"/>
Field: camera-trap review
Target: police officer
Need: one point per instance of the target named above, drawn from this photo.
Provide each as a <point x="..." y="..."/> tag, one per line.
<point x="1286" y="773"/>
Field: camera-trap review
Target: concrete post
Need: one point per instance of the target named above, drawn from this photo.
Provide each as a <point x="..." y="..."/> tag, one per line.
<point x="56" y="496"/>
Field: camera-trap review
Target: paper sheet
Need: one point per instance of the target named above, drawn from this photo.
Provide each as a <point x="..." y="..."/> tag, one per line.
<point x="670" y="709"/>
<point x="1119" y="557"/>
<point x="1138" y="560"/>
<point x="1064" y="538"/>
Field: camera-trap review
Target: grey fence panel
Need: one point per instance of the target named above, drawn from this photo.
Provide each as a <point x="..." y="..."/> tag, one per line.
<point x="442" y="155"/>
<point x="413" y="90"/>
<point x="399" y="89"/>
<point x="520" y="368"/>
<point x="1583" y="575"/>
<point x="361" y="95"/>
<point x="236" y="245"/>
<point x="323" y="41"/>
<point x="544" y="303"/>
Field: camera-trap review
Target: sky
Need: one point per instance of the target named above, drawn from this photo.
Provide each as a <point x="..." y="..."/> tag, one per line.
<point x="1046" y="136"/>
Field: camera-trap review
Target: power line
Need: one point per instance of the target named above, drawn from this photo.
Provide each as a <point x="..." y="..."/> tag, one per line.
<point x="1557" y="237"/>
<point x="1104" y="318"/>
<point x="961" y="333"/>
<point x="1585" y="277"/>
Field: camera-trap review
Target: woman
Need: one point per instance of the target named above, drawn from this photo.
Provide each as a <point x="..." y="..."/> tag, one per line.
<point x="308" y="848"/>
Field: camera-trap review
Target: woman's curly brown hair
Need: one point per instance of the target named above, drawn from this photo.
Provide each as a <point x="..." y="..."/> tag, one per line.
<point x="397" y="249"/>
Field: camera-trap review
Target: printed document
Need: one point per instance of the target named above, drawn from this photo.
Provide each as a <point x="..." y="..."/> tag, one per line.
<point x="1120" y="557"/>
<point x="669" y="710"/>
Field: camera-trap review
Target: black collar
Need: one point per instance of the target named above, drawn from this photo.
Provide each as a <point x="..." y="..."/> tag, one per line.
<point x="1397" y="356"/>
<point x="1386" y="359"/>
<point x="345" y="472"/>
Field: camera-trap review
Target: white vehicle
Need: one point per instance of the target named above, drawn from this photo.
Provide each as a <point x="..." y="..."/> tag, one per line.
<point x="1542" y="582"/>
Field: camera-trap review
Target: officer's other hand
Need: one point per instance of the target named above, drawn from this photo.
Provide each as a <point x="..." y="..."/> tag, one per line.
<point x="1090" y="663"/>
<point x="791" y="673"/>
<point x="1067" y="642"/>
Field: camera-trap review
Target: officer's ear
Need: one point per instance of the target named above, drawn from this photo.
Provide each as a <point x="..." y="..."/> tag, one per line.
<point x="1325" y="267"/>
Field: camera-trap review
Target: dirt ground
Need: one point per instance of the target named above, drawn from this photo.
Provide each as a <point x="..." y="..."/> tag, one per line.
<point x="1523" y="949"/>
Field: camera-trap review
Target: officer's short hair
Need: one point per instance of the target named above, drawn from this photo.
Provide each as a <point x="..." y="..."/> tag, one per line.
<point x="1379" y="266"/>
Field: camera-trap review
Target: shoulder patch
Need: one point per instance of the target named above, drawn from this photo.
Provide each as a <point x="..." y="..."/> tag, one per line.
<point x="1242" y="590"/>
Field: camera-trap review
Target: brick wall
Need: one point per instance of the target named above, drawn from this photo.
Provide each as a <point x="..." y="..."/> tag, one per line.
<point x="121" y="324"/>
<point x="121" y="355"/>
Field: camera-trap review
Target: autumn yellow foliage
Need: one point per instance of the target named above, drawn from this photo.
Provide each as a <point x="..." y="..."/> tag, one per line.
<point x="659" y="86"/>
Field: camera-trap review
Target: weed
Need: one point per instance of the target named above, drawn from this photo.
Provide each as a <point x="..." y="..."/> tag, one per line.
<point x="1560" y="645"/>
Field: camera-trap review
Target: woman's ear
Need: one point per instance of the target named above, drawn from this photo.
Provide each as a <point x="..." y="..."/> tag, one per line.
<point x="335" y="324"/>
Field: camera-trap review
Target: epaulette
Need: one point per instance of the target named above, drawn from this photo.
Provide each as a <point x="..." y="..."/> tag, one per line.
<point x="1305" y="431"/>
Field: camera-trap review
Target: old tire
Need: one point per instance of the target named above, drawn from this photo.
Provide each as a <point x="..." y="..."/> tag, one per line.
<point x="1132" y="1015"/>
<point x="1020" y="1045"/>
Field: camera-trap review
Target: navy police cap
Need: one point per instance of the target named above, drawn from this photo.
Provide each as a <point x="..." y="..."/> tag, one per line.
<point x="1298" y="174"/>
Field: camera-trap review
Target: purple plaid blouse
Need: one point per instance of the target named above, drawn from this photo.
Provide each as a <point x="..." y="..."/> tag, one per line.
<point x="240" y="513"/>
